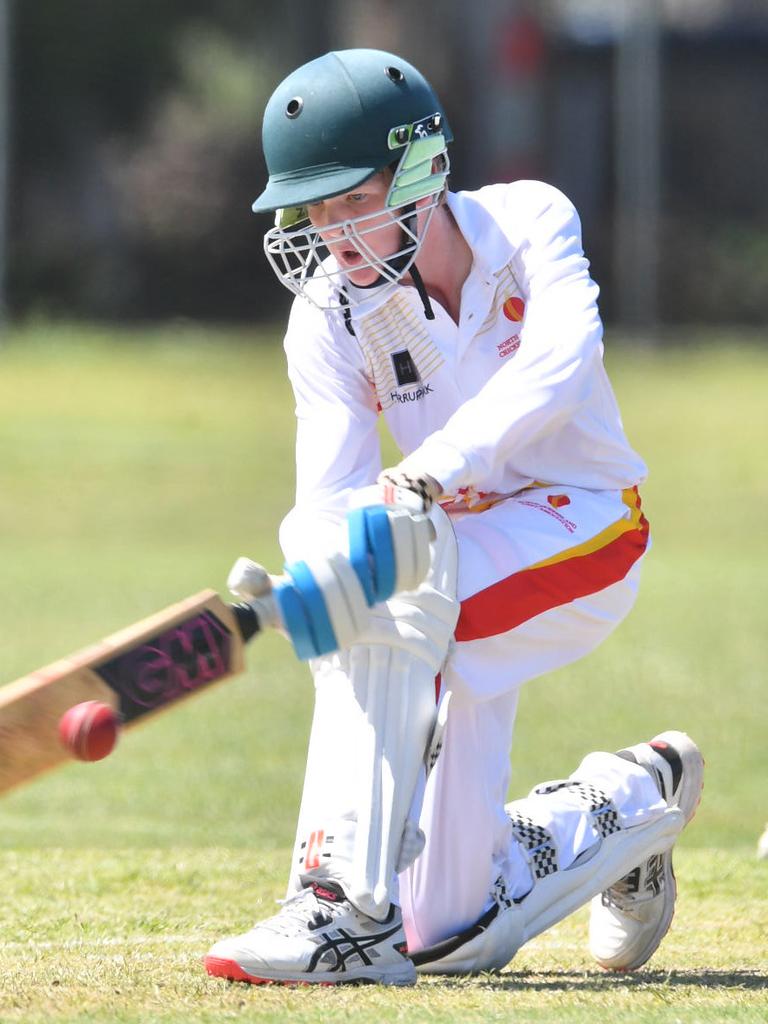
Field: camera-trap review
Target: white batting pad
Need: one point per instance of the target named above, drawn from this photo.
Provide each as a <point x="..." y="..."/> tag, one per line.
<point x="411" y="536"/>
<point x="374" y="712"/>
<point x="373" y="720"/>
<point x="438" y="732"/>
<point x="399" y="710"/>
<point x="422" y="621"/>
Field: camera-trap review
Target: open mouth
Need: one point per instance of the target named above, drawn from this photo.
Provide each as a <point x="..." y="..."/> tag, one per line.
<point x="348" y="257"/>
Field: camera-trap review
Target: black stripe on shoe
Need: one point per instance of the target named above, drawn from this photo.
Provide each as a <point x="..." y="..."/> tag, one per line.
<point x="431" y="953"/>
<point x="672" y="758"/>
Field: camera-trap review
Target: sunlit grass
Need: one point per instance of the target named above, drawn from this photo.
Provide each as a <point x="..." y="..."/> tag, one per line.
<point x="134" y="468"/>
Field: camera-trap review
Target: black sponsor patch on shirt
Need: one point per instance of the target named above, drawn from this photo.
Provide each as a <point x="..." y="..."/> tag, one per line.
<point x="405" y="368"/>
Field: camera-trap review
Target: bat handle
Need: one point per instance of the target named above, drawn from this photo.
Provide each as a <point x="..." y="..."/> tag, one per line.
<point x="248" y="622"/>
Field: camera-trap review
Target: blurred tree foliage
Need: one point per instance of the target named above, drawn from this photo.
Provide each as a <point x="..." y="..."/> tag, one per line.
<point x="136" y="149"/>
<point x="93" y="63"/>
<point x="136" y="153"/>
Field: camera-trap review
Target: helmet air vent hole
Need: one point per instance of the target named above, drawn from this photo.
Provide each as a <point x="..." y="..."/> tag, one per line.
<point x="394" y="74"/>
<point x="294" y="107"/>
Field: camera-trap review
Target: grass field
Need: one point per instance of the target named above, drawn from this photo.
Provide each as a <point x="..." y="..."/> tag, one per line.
<point x="134" y="468"/>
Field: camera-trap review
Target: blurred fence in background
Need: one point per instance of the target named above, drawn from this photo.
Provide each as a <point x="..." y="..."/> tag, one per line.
<point x="134" y="143"/>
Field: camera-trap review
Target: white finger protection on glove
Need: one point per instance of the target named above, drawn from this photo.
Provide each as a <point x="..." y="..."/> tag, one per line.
<point x="251" y="582"/>
<point x="248" y="579"/>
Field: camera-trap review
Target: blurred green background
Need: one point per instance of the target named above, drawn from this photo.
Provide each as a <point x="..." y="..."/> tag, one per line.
<point x="130" y="143"/>
<point x="144" y="444"/>
<point x="136" y="466"/>
<point x="146" y="441"/>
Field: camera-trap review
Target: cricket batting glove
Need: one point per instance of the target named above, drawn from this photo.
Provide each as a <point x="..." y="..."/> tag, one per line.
<point x="322" y="603"/>
<point x="398" y="484"/>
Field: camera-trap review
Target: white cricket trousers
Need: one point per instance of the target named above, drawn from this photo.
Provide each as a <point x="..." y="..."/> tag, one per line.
<point x="544" y="577"/>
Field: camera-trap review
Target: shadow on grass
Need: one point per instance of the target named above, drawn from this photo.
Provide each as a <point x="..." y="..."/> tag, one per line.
<point x="592" y="981"/>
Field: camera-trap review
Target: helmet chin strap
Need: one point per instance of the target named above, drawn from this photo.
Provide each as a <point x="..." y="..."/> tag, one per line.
<point x="418" y="282"/>
<point x="398" y="263"/>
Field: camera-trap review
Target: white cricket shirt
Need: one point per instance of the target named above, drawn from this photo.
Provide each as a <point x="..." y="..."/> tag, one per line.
<point x="515" y="393"/>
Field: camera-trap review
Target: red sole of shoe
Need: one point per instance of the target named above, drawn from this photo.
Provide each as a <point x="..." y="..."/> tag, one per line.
<point x="230" y="970"/>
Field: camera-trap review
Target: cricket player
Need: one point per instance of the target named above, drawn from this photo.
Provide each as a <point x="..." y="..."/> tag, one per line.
<point x="469" y="321"/>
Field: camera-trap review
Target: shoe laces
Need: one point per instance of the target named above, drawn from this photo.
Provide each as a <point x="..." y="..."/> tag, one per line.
<point x="642" y="884"/>
<point x="623" y="894"/>
<point x="301" y="911"/>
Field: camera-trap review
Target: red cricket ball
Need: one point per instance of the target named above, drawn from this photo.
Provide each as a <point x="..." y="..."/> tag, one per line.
<point x="89" y="730"/>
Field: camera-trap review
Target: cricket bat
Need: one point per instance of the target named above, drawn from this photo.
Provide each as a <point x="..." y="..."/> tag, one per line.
<point x="138" y="671"/>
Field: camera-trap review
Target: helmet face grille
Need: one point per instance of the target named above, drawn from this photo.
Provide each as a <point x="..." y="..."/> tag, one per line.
<point x="300" y="257"/>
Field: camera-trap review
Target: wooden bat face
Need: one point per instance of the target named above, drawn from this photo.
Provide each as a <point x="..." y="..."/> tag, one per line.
<point x="137" y="671"/>
<point x="171" y="664"/>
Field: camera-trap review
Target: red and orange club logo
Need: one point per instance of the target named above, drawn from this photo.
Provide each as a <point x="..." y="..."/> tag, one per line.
<point x="514" y="308"/>
<point x="558" y="500"/>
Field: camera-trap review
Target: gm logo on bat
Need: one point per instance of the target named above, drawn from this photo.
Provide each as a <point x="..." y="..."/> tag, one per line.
<point x="179" y="660"/>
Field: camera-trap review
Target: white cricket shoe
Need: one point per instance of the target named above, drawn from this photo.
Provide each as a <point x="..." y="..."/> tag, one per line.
<point x="630" y="918"/>
<point x="762" y="845"/>
<point x="317" y="937"/>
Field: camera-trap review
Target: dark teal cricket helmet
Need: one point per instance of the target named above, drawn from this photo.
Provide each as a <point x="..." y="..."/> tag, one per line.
<point x="331" y="125"/>
<point x="339" y="119"/>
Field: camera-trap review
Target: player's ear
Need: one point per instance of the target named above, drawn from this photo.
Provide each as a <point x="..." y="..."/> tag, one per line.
<point x="439" y="165"/>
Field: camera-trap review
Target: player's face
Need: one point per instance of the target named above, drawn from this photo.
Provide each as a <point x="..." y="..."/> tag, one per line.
<point x="380" y="232"/>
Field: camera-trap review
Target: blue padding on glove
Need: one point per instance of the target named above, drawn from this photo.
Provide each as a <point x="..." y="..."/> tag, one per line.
<point x="295" y="620"/>
<point x="305" y="614"/>
<point x="315" y="607"/>
<point x="382" y="551"/>
<point x="359" y="555"/>
<point x="371" y="552"/>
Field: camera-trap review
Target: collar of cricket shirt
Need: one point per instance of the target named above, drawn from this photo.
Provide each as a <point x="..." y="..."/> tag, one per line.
<point x="491" y="251"/>
<point x="490" y="246"/>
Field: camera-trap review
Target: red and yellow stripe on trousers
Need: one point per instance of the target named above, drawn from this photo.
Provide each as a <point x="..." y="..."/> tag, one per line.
<point x="573" y="573"/>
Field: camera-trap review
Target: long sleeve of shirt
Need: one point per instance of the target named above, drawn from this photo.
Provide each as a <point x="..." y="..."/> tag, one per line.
<point x="516" y="392"/>
<point x="528" y="403"/>
<point x="337" y="445"/>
